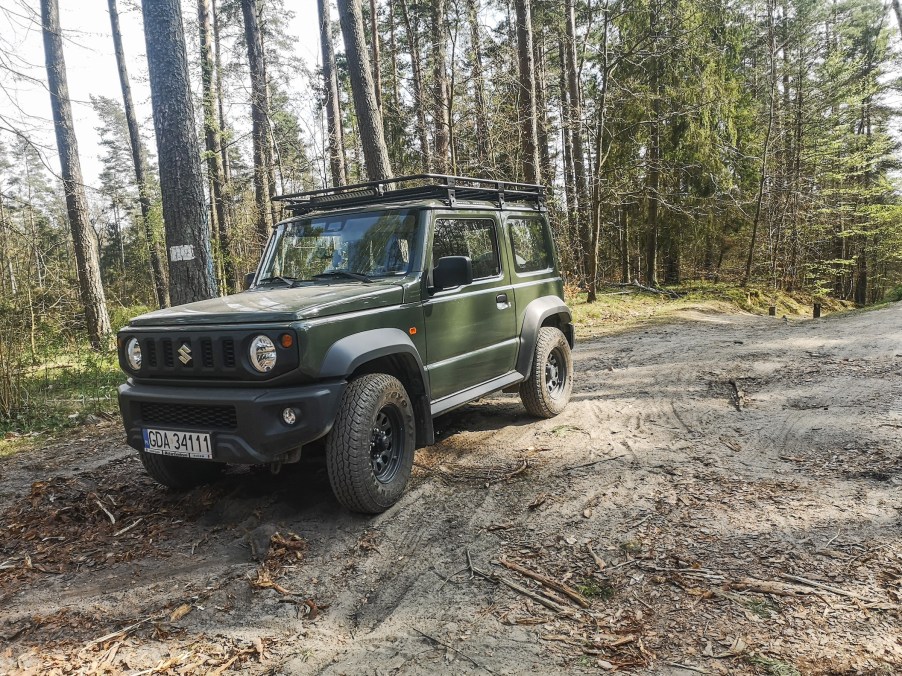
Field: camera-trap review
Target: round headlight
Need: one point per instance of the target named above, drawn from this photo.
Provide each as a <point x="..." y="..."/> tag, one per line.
<point x="133" y="354"/>
<point x="263" y="354"/>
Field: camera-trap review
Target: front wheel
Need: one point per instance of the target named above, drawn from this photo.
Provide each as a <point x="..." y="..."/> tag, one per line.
<point x="369" y="452"/>
<point x="180" y="473"/>
<point x="547" y="390"/>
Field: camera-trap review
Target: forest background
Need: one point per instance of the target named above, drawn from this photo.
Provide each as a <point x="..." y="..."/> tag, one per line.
<point x="741" y="144"/>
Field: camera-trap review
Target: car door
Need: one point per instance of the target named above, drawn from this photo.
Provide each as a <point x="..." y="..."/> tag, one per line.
<point x="471" y="335"/>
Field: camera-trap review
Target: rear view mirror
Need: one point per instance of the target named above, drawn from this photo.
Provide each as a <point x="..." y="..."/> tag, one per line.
<point x="452" y="271"/>
<point x="249" y="279"/>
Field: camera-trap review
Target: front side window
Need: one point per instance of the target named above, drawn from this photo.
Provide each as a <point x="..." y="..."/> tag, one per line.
<point x="471" y="237"/>
<point x="530" y="244"/>
<point x="373" y="244"/>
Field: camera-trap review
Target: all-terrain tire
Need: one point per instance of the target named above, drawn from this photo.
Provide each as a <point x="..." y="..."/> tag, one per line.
<point x="547" y="390"/>
<point x="368" y="469"/>
<point x="180" y="473"/>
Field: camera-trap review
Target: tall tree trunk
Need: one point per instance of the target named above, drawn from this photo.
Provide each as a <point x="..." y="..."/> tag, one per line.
<point x="575" y="126"/>
<point x="441" y="92"/>
<point x="767" y="139"/>
<point x="181" y="178"/>
<point x="377" y="65"/>
<point x="566" y="136"/>
<point x="653" y="181"/>
<point x="372" y="136"/>
<point x="223" y="129"/>
<point x="83" y="236"/>
<point x="898" y="11"/>
<point x="213" y="142"/>
<point x="542" y="124"/>
<point x="529" y="141"/>
<point x="481" y="116"/>
<point x="157" y="272"/>
<point x="419" y="91"/>
<point x="396" y="124"/>
<point x="264" y="180"/>
<point x="333" y="105"/>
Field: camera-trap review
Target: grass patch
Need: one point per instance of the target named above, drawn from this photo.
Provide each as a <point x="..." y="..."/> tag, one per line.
<point x="772" y="666"/>
<point x="60" y="392"/>
<point x="591" y="589"/>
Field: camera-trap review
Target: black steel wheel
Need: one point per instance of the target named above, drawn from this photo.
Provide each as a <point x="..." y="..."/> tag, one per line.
<point x="547" y="390"/>
<point x="369" y="452"/>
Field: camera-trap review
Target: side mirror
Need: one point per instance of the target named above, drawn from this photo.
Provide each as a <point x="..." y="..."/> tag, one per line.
<point x="249" y="279"/>
<point x="452" y="271"/>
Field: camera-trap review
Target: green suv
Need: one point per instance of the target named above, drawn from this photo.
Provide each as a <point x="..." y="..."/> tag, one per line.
<point x="375" y="308"/>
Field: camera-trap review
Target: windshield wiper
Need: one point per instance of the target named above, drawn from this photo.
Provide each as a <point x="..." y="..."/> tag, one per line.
<point x="288" y="281"/>
<point x="343" y="273"/>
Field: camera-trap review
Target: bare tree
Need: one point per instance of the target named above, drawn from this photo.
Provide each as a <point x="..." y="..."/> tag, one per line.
<point x="83" y="236"/>
<point x="369" y="119"/>
<point x="333" y="105"/>
<point x="181" y="178"/>
<point x="157" y="271"/>
<point x="264" y="179"/>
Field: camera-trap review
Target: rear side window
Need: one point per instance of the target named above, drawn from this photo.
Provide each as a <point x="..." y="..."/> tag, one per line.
<point x="530" y="244"/>
<point x="472" y="237"/>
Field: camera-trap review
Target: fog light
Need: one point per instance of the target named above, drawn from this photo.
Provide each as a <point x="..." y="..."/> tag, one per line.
<point x="289" y="416"/>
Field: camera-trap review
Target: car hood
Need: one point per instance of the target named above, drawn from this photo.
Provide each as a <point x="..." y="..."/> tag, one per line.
<point x="278" y="305"/>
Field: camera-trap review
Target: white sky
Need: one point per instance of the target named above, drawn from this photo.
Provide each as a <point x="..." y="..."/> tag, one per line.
<point x="91" y="67"/>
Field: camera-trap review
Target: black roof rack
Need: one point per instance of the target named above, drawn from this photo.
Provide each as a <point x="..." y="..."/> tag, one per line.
<point x="419" y="186"/>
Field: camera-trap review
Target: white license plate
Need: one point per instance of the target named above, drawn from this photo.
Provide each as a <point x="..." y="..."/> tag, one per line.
<point x="183" y="444"/>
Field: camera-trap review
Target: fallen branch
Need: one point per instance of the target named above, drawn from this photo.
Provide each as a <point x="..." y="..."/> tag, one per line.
<point x="596" y="558"/>
<point x="500" y="579"/>
<point x="574" y="595"/>
<point x="738" y="396"/>
<point x="452" y="648"/>
<point x="687" y="667"/>
<point x="106" y="511"/>
<point x="594" y="462"/>
<point x="825" y="587"/>
<point x="127" y="528"/>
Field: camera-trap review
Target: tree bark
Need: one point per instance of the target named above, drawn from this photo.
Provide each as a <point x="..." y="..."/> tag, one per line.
<point x="369" y="120"/>
<point x="264" y="180"/>
<point x="83" y="236"/>
<point x="333" y="105"/>
<point x="213" y="143"/>
<point x="181" y="178"/>
<point x="157" y="271"/>
<point x="529" y="142"/>
<point x="419" y="92"/>
<point x="441" y="92"/>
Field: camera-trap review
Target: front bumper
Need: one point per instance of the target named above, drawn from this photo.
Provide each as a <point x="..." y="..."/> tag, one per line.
<point x="253" y="431"/>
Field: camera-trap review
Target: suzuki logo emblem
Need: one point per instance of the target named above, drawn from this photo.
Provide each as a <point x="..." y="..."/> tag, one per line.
<point x="185" y="354"/>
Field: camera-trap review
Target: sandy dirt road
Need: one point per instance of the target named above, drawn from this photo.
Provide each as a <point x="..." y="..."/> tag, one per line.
<point x="723" y="493"/>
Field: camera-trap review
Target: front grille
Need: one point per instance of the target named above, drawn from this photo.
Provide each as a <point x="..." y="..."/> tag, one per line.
<point x="206" y="352"/>
<point x="228" y="352"/>
<point x="168" y="360"/>
<point x="189" y="415"/>
<point x="151" y="347"/>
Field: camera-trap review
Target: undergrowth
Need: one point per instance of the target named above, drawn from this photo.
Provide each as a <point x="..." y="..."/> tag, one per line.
<point x="54" y="381"/>
<point x="620" y="307"/>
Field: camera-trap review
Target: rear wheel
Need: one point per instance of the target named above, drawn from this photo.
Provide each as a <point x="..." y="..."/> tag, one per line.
<point x="547" y="390"/>
<point x="180" y="473"/>
<point x="369" y="452"/>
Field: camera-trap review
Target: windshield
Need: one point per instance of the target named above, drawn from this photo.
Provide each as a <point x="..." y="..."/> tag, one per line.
<point x="345" y="246"/>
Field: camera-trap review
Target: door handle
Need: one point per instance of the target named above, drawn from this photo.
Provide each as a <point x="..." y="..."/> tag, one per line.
<point x="501" y="298"/>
